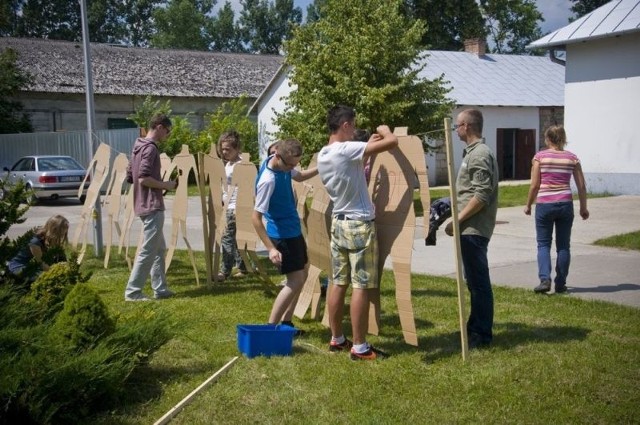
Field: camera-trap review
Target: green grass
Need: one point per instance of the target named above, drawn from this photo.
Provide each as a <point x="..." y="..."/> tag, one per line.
<point x="624" y="241"/>
<point x="555" y="359"/>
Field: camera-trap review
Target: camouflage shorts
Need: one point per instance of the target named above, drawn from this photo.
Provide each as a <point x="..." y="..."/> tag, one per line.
<point x="354" y="253"/>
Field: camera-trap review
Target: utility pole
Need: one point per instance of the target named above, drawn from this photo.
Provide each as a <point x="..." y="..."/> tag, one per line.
<point x="88" y="76"/>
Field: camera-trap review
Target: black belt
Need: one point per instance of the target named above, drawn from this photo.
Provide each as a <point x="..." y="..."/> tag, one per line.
<point x="344" y="217"/>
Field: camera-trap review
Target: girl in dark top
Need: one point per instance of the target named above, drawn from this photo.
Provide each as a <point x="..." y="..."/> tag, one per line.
<point x="51" y="236"/>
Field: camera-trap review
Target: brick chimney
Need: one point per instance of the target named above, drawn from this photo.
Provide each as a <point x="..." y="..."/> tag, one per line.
<point x="475" y="45"/>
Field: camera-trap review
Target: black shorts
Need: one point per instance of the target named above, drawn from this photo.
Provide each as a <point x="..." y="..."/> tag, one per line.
<point x="294" y="253"/>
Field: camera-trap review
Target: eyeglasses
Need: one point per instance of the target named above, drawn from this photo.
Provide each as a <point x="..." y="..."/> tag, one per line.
<point x="285" y="162"/>
<point x="456" y="126"/>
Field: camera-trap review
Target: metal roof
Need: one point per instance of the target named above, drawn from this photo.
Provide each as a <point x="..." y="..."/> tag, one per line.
<point x="614" y="18"/>
<point x="58" y="67"/>
<point x="497" y="80"/>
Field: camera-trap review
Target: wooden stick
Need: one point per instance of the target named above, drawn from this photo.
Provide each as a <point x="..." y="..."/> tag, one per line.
<point x="456" y="236"/>
<point x="178" y="407"/>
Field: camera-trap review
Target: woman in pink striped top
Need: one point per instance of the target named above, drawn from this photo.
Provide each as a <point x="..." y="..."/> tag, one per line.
<point x="551" y="173"/>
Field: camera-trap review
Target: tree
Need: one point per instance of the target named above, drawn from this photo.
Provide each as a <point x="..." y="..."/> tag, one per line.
<point x="9" y="17"/>
<point x="449" y="23"/>
<point x="225" y="35"/>
<point x="54" y="19"/>
<point x="363" y="54"/>
<point x="183" y="24"/>
<point x="511" y="24"/>
<point x="12" y="79"/>
<point x="265" y="25"/>
<point x="582" y="7"/>
<point x="138" y="21"/>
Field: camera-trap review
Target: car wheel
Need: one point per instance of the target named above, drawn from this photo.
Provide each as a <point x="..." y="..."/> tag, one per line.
<point x="32" y="199"/>
<point x="82" y="199"/>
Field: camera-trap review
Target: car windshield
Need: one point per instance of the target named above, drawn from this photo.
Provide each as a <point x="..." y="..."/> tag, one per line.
<point x="57" y="164"/>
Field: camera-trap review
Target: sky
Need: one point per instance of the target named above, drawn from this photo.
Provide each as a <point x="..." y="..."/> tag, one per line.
<point x="556" y="13"/>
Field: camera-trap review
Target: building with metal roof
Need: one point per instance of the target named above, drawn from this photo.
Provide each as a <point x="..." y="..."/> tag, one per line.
<point x="602" y="88"/>
<point x="195" y="81"/>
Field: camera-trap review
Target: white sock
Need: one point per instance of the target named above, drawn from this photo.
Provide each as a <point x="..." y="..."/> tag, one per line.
<point x="339" y="340"/>
<point x="360" y="348"/>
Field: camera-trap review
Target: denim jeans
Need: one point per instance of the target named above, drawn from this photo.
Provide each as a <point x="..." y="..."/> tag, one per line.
<point x="476" y="273"/>
<point x="548" y="215"/>
<point x="150" y="257"/>
<point x="230" y="254"/>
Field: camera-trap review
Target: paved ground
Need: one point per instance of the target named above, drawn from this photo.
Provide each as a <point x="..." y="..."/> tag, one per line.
<point x="596" y="273"/>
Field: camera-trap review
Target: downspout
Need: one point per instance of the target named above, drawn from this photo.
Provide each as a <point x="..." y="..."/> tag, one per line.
<point x="554" y="58"/>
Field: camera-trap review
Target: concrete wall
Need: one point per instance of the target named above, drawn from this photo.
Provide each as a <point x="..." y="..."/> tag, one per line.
<point x="67" y="112"/>
<point x="273" y="101"/>
<point x="601" y="111"/>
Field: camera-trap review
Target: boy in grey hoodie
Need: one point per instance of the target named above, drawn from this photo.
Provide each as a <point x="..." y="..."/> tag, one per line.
<point x="144" y="174"/>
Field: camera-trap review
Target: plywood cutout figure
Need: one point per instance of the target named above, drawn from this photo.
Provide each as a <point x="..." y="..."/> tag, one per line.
<point x="166" y="169"/>
<point x="211" y="170"/>
<point x="244" y="180"/>
<point x="393" y="177"/>
<point x="185" y="163"/>
<point x="318" y="225"/>
<point x="112" y="202"/>
<point x="100" y="167"/>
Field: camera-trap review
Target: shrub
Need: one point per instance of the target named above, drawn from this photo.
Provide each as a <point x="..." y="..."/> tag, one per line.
<point x="84" y="320"/>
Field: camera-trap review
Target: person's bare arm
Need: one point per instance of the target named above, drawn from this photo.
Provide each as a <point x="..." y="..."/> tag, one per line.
<point x="36" y="251"/>
<point x="582" y="191"/>
<point x="376" y="145"/>
<point x="535" y="186"/>
<point x="303" y="175"/>
<point x="274" y="255"/>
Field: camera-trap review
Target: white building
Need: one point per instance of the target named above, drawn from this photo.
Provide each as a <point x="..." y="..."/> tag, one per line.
<point x="519" y="97"/>
<point x="602" y="88"/>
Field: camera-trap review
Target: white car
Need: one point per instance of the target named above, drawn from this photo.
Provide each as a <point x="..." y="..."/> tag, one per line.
<point x="47" y="177"/>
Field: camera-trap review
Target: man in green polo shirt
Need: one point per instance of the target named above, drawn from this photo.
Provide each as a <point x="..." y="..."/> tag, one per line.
<point x="477" y="186"/>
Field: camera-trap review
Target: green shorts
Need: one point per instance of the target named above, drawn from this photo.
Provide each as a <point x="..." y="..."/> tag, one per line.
<point x="354" y="253"/>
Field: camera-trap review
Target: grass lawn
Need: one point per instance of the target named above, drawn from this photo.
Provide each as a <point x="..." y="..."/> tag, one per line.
<point x="555" y="359"/>
<point x="624" y="241"/>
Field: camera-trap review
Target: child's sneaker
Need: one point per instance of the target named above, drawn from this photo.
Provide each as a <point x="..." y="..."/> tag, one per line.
<point x="334" y="347"/>
<point x="371" y="354"/>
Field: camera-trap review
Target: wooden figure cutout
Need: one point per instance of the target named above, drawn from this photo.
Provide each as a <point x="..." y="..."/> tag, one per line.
<point x="113" y="200"/>
<point x="212" y="170"/>
<point x="100" y="166"/>
<point x="393" y="178"/>
<point x="184" y="163"/>
<point x="244" y="179"/>
<point x="318" y="239"/>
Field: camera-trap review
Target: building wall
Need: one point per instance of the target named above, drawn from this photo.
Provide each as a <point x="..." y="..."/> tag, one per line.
<point x="67" y="112"/>
<point x="601" y="108"/>
<point x="273" y="101"/>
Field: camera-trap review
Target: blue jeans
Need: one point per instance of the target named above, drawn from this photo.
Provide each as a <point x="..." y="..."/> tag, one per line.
<point x="476" y="273"/>
<point x="150" y="258"/>
<point x="548" y="215"/>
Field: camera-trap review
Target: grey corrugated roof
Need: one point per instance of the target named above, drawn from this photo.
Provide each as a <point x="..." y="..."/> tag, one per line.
<point x="58" y="67"/>
<point x="498" y="80"/>
<point x="614" y="18"/>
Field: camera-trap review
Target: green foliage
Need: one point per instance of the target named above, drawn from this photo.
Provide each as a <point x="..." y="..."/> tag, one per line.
<point x="181" y="134"/>
<point x="52" y="286"/>
<point x="85" y="319"/>
<point x="582" y="7"/>
<point x="448" y="23"/>
<point x="362" y="54"/>
<point x="264" y="24"/>
<point x="12" y="80"/>
<point x="225" y="35"/>
<point x="512" y="24"/>
<point x="147" y="109"/>
<point x="231" y="115"/>
<point x="182" y="24"/>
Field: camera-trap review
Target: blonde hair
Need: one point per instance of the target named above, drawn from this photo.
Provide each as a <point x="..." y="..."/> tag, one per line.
<point x="556" y="136"/>
<point x="289" y="147"/>
<point x="54" y="232"/>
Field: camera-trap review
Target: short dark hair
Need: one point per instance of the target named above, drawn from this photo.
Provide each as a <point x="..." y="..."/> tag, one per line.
<point x="231" y="137"/>
<point x="159" y="119"/>
<point x="338" y="115"/>
<point x="474" y="120"/>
